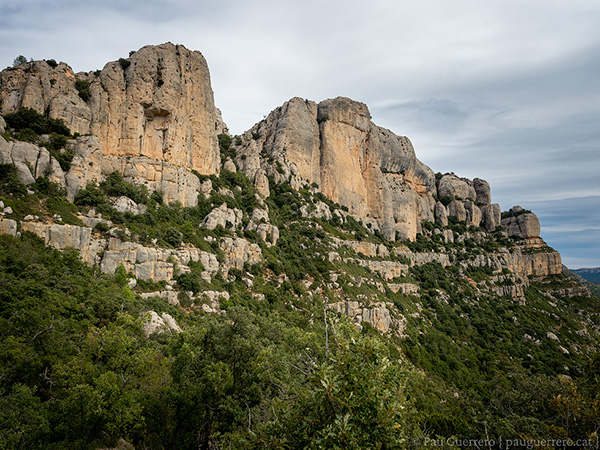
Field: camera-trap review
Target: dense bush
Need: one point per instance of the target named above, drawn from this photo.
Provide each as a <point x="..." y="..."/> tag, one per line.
<point x="91" y="195"/>
<point x="27" y="118"/>
<point x="124" y="63"/>
<point x="115" y="186"/>
<point x="83" y="88"/>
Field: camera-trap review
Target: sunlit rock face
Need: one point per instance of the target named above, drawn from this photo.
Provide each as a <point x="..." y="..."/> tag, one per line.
<point x="334" y="147"/>
<point x="156" y="106"/>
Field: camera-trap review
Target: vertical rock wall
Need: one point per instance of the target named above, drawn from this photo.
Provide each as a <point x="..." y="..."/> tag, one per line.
<point x="335" y="147"/>
<point x="157" y="104"/>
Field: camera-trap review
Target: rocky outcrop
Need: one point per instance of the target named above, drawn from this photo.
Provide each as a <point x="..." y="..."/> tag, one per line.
<point x="148" y="263"/>
<point x="171" y="297"/>
<point x="60" y="236"/>
<point x="318" y="210"/>
<point x="466" y="200"/>
<point x="521" y="223"/>
<point x="454" y="187"/>
<point x="521" y="262"/>
<point x="483" y="194"/>
<point x="90" y="164"/>
<point x="239" y="251"/>
<point x="334" y="146"/>
<point x="404" y="288"/>
<point x="441" y="214"/>
<point x="491" y="217"/>
<point x="259" y="222"/>
<point x="158" y="103"/>
<point x="364" y="248"/>
<point x="387" y="270"/>
<point x="224" y="217"/>
<point x="125" y="204"/>
<point x="31" y="162"/>
<point x="154" y="323"/>
<point x="8" y="226"/>
<point x="377" y="315"/>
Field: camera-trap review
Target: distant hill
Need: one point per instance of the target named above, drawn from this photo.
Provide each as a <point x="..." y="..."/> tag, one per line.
<point x="589" y="274"/>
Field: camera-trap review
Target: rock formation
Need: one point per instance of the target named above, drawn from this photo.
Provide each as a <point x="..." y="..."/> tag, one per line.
<point x="152" y="118"/>
<point x="151" y="113"/>
<point x="521" y="223"/>
<point x="335" y="147"/>
<point x="158" y="103"/>
<point x="31" y="162"/>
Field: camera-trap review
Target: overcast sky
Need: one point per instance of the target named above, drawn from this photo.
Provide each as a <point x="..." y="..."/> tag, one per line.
<point x="505" y="90"/>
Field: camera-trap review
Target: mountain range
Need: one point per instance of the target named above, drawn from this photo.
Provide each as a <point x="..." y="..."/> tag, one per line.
<point x="320" y="233"/>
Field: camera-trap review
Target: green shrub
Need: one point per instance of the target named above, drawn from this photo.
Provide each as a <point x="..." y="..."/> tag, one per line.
<point x="27" y="118"/>
<point x="124" y="63"/>
<point x="83" y="88"/>
<point x="90" y="196"/>
<point x="225" y="146"/>
<point x="101" y="227"/>
<point x="115" y="186"/>
<point x="47" y="187"/>
<point x="52" y="63"/>
<point x="19" y="60"/>
<point x="9" y="181"/>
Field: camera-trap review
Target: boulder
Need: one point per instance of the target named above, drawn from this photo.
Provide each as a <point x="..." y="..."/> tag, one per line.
<point x="223" y="216"/>
<point x="521" y="223"/>
<point x="454" y="187"/>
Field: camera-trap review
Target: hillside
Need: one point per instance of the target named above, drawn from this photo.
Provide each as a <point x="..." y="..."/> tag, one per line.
<point x="589" y="274"/>
<point x="308" y="284"/>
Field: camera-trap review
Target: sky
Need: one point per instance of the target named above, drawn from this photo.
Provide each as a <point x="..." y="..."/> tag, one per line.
<point x="504" y="90"/>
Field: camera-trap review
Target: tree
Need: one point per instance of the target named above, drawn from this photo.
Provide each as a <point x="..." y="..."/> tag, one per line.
<point x="355" y="399"/>
<point x="19" y="60"/>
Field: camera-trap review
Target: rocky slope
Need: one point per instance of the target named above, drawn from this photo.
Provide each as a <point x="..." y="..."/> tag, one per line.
<point x="184" y="298"/>
<point x="152" y="119"/>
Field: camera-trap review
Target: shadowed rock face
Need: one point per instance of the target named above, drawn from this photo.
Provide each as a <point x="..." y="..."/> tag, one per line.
<point x="158" y="106"/>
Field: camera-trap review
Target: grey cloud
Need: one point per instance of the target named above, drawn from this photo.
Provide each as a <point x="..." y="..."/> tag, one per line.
<point x="572" y="226"/>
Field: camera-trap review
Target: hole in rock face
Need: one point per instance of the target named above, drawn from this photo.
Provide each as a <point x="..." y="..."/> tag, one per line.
<point x="155" y="111"/>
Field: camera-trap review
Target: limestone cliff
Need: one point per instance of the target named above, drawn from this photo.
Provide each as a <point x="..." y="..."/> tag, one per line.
<point x="335" y="147"/>
<point x="152" y="118"/>
<point x="156" y="105"/>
